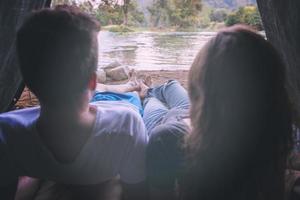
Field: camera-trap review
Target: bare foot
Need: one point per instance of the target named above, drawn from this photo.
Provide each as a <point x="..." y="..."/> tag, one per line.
<point x="133" y="82"/>
<point x="148" y="81"/>
<point x="143" y="89"/>
<point x="132" y="75"/>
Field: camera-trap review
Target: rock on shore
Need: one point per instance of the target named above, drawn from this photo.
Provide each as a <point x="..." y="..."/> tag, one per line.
<point x="113" y="72"/>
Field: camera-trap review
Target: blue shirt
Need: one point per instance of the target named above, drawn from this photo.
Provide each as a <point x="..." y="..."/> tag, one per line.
<point x="129" y="97"/>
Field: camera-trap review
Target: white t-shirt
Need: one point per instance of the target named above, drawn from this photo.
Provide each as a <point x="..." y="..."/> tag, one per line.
<point x="116" y="147"/>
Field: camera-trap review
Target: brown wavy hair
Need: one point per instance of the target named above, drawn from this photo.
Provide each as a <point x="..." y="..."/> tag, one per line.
<point x="241" y="120"/>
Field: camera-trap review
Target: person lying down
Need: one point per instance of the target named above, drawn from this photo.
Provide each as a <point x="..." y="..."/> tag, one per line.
<point x="127" y="92"/>
<point x="165" y="111"/>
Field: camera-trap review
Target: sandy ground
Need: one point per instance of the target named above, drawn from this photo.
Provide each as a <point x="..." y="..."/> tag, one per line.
<point x="28" y="99"/>
<point x="162" y="76"/>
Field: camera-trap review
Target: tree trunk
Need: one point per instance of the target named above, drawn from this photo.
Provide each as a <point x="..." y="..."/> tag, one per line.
<point x="12" y="13"/>
<point x="125" y="20"/>
<point x="281" y="19"/>
<point x="125" y="12"/>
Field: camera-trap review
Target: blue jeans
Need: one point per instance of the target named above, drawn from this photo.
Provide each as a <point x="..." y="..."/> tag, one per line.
<point x="160" y="100"/>
<point x="164" y="155"/>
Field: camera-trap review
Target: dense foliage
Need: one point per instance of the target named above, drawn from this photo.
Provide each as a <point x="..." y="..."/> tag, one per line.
<point x="110" y="12"/>
<point x="175" y="12"/>
<point x="218" y="15"/>
<point x="178" y="14"/>
<point x="116" y="14"/>
<point x="229" y="4"/>
<point x="246" y="15"/>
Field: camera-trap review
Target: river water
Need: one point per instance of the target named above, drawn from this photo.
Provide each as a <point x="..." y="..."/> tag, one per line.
<point x="151" y="50"/>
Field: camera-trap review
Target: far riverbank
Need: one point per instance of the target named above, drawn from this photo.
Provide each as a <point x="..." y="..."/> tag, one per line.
<point x="212" y="27"/>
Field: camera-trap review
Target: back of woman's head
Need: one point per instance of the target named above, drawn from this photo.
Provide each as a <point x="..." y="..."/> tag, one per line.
<point x="241" y="120"/>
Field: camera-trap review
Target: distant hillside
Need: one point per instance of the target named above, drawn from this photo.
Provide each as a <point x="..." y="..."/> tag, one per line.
<point x="231" y="4"/>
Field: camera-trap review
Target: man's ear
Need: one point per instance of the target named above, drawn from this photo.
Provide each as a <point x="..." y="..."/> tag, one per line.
<point x="93" y="82"/>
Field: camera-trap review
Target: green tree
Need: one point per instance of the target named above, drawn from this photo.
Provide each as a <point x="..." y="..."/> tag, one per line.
<point x="112" y="12"/>
<point x="218" y="15"/>
<point x="109" y="12"/>
<point x="159" y="12"/>
<point x="123" y="4"/>
<point x="246" y="15"/>
<point x="135" y="16"/>
<point x="59" y="2"/>
<point x="186" y="12"/>
<point x="252" y="17"/>
<point x="180" y="13"/>
<point x="86" y="6"/>
<point x="232" y="19"/>
<point x="125" y="8"/>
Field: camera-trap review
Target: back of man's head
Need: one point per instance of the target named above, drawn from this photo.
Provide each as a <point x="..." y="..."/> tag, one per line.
<point x="58" y="53"/>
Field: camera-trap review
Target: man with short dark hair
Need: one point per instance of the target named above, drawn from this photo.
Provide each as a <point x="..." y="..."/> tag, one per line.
<point x="68" y="139"/>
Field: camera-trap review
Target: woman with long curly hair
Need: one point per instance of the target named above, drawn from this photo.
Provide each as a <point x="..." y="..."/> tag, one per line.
<point x="241" y="118"/>
<point x="241" y="126"/>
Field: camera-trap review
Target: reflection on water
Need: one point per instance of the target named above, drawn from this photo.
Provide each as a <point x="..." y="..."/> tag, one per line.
<point x="151" y="50"/>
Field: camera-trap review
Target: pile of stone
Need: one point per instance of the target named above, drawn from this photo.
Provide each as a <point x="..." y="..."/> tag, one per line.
<point x="113" y="72"/>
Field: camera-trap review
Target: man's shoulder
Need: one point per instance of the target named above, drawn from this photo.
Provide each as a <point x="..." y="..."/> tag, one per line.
<point x="15" y="139"/>
<point x="17" y="121"/>
<point x="20" y="117"/>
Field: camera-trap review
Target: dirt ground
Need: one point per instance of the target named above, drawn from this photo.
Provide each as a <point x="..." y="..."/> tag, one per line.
<point x="28" y="99"/>
<point x="161" y="76"/>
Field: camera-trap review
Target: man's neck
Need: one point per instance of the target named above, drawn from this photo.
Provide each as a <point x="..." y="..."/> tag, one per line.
<point x="67" y="125"/>
<point x="69" y="114"/>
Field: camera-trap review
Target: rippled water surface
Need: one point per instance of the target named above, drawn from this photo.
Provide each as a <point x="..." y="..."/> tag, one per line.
<point x="151" y="50"/>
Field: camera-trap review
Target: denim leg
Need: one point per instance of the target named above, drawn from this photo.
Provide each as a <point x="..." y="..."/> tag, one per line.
<point x="154" y="112"/>
<point x="164" y="157"/>
<point x="161" y="99"/>
<point x="172" y="94"/>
